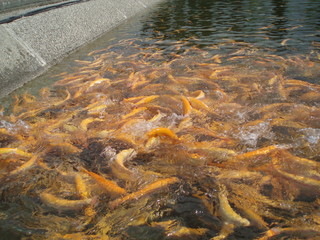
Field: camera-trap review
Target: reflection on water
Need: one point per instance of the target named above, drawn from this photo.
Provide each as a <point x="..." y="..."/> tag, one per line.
<point x="179" y="131"/>
<point x="265" y="23"/>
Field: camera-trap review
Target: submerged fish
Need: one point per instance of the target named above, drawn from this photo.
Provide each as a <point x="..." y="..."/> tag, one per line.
<point x="62" y="204"/>
<point x="153" y="187"/>
<point x="107" y="185"/>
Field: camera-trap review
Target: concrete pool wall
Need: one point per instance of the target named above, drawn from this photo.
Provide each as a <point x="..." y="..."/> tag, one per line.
<point x="32" y="43"/>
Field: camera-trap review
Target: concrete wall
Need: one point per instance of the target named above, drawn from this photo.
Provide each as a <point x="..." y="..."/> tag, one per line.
<point x="30" y="45"/>
<point x="8" y="5"/>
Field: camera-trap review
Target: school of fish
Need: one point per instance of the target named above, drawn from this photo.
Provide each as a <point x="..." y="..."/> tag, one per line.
<point x="141" y="143"/>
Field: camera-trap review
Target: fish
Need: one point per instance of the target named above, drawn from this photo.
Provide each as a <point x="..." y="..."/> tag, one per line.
<point x="163" y="132"/>
<point x="228" y="214"/>
<point x="253" y="217"/>
<point x="292" y="28"/>
<point x="27" y="165"/>
<point x="284" y="42"/>
<point x="83" y="62"/>
<point x="65" y="147"/>
<point x="134" y="99"/>
<point x="108" y="186"/>
<point x="199" y="94"/>
<point x="146" y="99"/>
<point x="118" y="168"/>
<point x="225" y="231"/>
<point x="198" y="104"/>
<point x="98" y="81"/>
<point x="229" y="112"/>
<point x="134" y="112"/>
<point x="308" y="232"/>
<point x="15" y="151"/>
<point x="84" y="193"/>
<point x="81" y="187"/>
<point x="98" y="109"/>
<point x="85" y="122"/>
<point x="239" y="174"/>
<point x="186" y="107"/>
<point x="56" y="104"/>
<point x="266" y="27"/>
<point x="151" y="188"/>
<point x="297" y="178"/>
<point x="62" y="204"/>
<point x="256" y="153"/>
<point x="156" y="117"/>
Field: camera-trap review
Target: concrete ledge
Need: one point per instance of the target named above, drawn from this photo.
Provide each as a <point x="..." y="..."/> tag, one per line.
<point x="30" y="45"/>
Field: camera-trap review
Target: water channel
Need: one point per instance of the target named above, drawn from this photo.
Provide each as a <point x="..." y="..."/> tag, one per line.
<point x="196" y="120"/>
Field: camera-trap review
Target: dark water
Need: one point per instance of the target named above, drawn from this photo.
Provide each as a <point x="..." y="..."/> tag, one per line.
<point x="263" y="23"/>
<point x="195" y="120"/>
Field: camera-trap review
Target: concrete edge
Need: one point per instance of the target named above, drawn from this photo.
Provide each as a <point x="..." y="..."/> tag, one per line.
<point x="30" y="45"/>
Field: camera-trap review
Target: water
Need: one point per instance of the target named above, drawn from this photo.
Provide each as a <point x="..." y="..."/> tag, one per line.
<point x="196" y="120"/>
<point x="206" y="24"/>
<point x="263" y="23"/>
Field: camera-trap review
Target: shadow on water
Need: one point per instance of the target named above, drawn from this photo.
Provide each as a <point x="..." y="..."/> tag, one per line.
<point x="280" y="20"/>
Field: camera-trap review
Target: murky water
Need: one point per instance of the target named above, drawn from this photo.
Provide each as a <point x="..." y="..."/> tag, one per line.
<point x="199" y="120"/>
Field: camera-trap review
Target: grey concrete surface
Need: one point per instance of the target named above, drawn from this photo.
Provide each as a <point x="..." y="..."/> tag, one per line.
<point x="8" y="5"/>
<point x="30" y="45"/>
<point x="17" y="64"/>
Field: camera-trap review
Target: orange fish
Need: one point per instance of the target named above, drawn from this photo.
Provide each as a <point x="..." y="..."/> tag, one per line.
<point x="107" y="185"/>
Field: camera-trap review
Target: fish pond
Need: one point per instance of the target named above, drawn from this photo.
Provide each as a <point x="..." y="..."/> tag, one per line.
<point x="196" y="120"/>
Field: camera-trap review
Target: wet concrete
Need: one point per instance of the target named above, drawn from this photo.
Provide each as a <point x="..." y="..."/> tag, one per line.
<point x="33" y="42"/>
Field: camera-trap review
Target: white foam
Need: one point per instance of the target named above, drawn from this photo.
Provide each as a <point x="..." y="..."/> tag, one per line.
<point x="139" y="129"/>
<point x="312" y="135"/>
<point x="109" y="153"/>
<point x="250" y="135"/>
<point x="173" y="119"/>
<point x="13" y="127"/>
